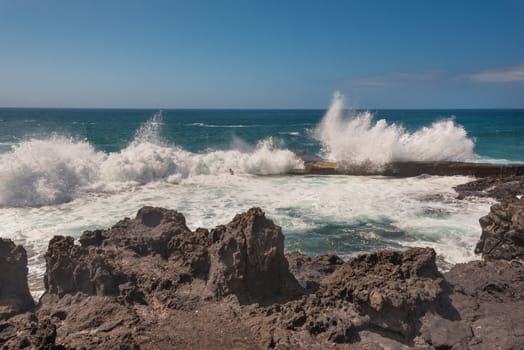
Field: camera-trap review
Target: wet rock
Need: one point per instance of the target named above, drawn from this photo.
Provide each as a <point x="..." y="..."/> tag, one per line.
<point x="14" y="291"/>
<point x="503" y="231"/>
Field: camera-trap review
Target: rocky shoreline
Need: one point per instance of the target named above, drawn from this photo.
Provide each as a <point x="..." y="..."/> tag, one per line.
<point x="151" y="283"/>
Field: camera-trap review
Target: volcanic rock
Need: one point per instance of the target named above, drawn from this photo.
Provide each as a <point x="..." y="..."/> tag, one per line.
<point x="156" y="256"/>
<point x="393" y="288"/>
<point x="26" y="331"/>
<point x="309" y="271"/>
<point x="489" y="298"/>
<point x="503" y="231"/>
<point x="14" y="291"/>
<point x="500" y="188"/>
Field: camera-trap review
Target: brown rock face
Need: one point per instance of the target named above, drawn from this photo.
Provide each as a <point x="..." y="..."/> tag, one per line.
<point x="249" y="260"/>
<point x="500" y="188"/>
<point x="393" y="288"/>
<point x="14" y="291"/>
<point x="156" y="255"/>
<point x="309" y="271"/>
<point x="489" y="297"/>
<point x="503" y="231"/>
<point x="26" y="331"/>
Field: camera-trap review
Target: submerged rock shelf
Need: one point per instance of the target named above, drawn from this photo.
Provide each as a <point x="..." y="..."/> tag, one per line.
<point x="315" y="165"/>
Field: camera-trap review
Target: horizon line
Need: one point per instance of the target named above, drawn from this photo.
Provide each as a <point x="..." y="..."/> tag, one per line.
<point x="260" y="108"/>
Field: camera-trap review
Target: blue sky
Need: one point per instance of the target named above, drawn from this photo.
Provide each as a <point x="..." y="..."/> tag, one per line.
<point x="262" y="54"/>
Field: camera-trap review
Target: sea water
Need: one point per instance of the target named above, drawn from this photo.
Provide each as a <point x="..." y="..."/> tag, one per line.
<point x="63" y="171"/>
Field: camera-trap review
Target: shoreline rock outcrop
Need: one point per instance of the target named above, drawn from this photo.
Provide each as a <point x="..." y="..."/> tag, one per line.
<point x="150" y="282"/>
<point x="503" y="227"/>
<point x="15" y="297"/>
<point x="503" y="231"/>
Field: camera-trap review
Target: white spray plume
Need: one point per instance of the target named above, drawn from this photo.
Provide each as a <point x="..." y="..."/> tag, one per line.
<point x="57" y="169"/>
<point x="356" y="140"/>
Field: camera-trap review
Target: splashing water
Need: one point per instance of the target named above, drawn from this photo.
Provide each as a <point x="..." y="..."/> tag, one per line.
<point x="57" y="169"/>
<point x="359" y="141"/>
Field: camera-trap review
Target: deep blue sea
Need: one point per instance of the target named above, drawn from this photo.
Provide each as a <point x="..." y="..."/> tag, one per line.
<point x="67" y="170"/>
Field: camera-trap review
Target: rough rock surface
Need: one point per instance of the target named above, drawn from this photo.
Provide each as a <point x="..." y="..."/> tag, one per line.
<point x="489" y="297"/>
<point x="500" y="188"/>
<point x="14" y="291"/>
<point x="376" y="298"/>
<point x="310" y="270"/>
<point x="503" y="228"/>
<point x="151" y="283"/>
<point x="394" y="289"/>
<point x="156" y="255"/>
<point x="503" y="231"/>
<point x="26" y="331"/>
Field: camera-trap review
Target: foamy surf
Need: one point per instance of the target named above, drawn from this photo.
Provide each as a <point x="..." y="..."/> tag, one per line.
<point x="340" y="214"/>
<point x="57" y="169"/>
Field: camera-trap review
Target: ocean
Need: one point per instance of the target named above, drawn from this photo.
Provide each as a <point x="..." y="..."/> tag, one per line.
<point x="63" y="171"/>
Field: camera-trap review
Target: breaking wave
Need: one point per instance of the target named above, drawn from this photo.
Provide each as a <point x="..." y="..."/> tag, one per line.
<point x="358" y="140"/>
<point x="57" y="169"/>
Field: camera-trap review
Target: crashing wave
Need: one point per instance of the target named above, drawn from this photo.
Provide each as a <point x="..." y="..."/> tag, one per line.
<point x="357" y="140"/>
<point x="56" y="169"/>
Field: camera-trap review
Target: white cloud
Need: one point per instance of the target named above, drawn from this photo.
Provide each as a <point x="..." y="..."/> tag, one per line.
<point x="500" y="75"/>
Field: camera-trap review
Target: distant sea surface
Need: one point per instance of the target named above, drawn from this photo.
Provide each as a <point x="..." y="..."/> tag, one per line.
<point x="63" y="171"/>
<point x="498" y="134"/>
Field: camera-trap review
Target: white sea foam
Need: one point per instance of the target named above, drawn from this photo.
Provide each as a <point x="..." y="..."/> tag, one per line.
<point x="358" y="140"/>
<point x="303" y="206"/>
<point x="57" y="169"/>
<point x="40" y="172"/>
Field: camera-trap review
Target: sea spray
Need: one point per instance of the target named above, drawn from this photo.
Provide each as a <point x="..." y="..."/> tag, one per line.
<point x="39" y="172"/>
<point x="57" y="169"/>
<point x="355" y="140"/>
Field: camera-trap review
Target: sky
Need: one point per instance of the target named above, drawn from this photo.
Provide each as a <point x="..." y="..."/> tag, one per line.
<point x="261" y="54"/>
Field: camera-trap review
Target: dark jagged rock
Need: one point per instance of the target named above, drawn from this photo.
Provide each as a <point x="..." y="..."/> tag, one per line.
<point x="393" y="288"/>
<point x="14" y="291"/>
<point x="503" y="231"/>
<point x="155" y="254"/>
<point x="376" y="298"/>
<point x="248" y="260"/>
<point x="500" y="188"/>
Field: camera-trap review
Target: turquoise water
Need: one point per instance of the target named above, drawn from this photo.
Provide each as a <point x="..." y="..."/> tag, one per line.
<point x="67" y="170"/>
<point x="498" y="134"/>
